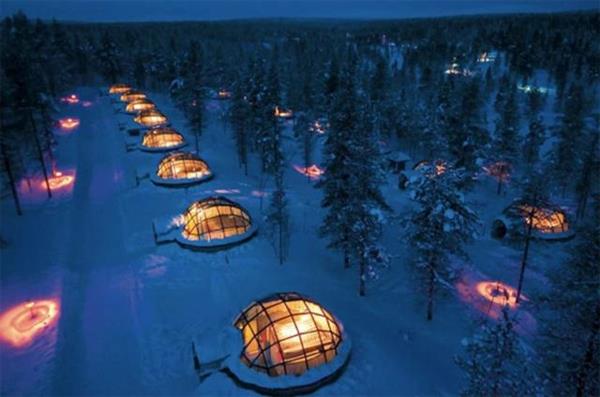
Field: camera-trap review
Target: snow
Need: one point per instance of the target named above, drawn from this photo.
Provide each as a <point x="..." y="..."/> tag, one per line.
<point x="131" y="308"/>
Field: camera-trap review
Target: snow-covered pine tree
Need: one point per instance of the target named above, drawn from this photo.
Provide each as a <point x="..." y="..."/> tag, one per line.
<point x="239" y="113"/>
<point x="588" y="176"/>
<point x="278" y="217"/>
<point x="495" y="362"/>
<point x="534" y="193"/>
<point x="269" y="138"/>
<point x="507" y="126"/>
<point x="108" y="58"/>
<point x="439" y="228"/>
<point x="569" y="341"/>
<point x="306" y="138"/>
<point x="337" y="192"/>
<point x="365" y="214"/>
<point x="563" y="157"/>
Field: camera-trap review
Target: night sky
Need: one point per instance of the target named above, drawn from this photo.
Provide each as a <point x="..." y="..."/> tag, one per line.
<point x="155" y="10"/>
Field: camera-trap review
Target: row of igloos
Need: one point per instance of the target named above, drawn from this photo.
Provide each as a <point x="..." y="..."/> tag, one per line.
<point x="207" y="223"/>
<point x="289" y="343"/>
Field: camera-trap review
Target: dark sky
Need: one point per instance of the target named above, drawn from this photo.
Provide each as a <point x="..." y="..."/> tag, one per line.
<point x="172" y="10"/>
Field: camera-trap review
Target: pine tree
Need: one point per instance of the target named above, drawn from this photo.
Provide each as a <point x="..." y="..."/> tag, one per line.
<point x="337" y="192"/>
<point x="495" y="362"/>
<point x="270" y="136"/>
<point x="507" y="127"/>
<point x="305" y="137"/>
<point x="588" y="175"/>
<point x="440" y="227"/>
<point x="239" y="113"/>
<point x="278" y="217"/>
<point x="569" y="343"/>
<point x="365" y="214"/>
<point x="565" y="154"/>
<point x="533" y="141"/>
<point x="109" y="59"/>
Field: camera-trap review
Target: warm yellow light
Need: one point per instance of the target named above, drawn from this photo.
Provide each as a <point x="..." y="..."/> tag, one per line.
<point x="139" y="105"/>
<point x="68" y="123"/>
<point x="132" y="96"/>
<point x="162" y="138"/>
<point x="283" y="113"/>
<point x="182" y="166"/>
<point x="544" y="220"/>
<point x="71" y="99"/>
<point x="498" y="293"/>
<point x="58" y="181"/>
<point x="214" y="219"/>
<point x="313" y="172"/>
<point x="224" y="94"/>
<point x="22" y="323"/>
<point x="150" y="118"/>
<point x="119" y="88"/>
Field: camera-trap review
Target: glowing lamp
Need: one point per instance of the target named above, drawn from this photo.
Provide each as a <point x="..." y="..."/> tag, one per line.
<point x="69" y="123"/>
<point x="223" y="94"/>
<point x="21" y="324"/>
<point x="283" y="113"/>
<point x="313" y="172"/>
<point x="71" y="99"/>
<point x="58" y="181"/>
<point x="498" y="293"/>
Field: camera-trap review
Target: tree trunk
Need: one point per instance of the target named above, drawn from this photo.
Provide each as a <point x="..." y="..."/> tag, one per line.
<point x="430" y="291"/>
<point x="11" y="180"/>
<point x="525" y="255"/>
<point x="588" y="361"/>
<point x="40" y="154"/>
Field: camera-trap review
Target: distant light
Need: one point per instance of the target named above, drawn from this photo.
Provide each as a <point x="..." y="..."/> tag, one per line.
<point x="313" y="172"/>
<point x="71" y="99"/>
<point x="69" y="123"/>
<point x="22" y="323"/>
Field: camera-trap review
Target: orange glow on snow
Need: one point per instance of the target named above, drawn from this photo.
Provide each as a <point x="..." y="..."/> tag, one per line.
<point x="69" y="123"/>
<point x="498" y="293"/>
<point x="313" y="172"/>
<point x="20" y="324"/>
<point x="224" y="94"/>
<point x="58" y="180"/>
<point x="283" y="113"/>
<point x="71" y="99"/>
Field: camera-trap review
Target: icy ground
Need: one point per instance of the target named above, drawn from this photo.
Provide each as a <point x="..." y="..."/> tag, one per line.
<point x="130" y="309"/>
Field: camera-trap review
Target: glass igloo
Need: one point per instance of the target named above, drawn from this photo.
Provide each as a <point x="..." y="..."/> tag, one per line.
<point x="289" y="344"/>
<point x="215" y="222"/>
<point x="181" y="168"/>
<point x="162" y="139"/>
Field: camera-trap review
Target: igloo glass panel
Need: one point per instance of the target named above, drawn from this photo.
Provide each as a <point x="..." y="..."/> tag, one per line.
<point x="293" y="335"/>
<point x="204" y="221"/>
<point x="545" y="220"/>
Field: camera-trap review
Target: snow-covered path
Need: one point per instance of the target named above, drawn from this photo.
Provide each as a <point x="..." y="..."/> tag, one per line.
<point x="96" y="330"/>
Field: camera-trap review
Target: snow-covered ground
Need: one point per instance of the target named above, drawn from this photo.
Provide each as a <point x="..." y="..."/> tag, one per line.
<point x="129" y="309"/>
